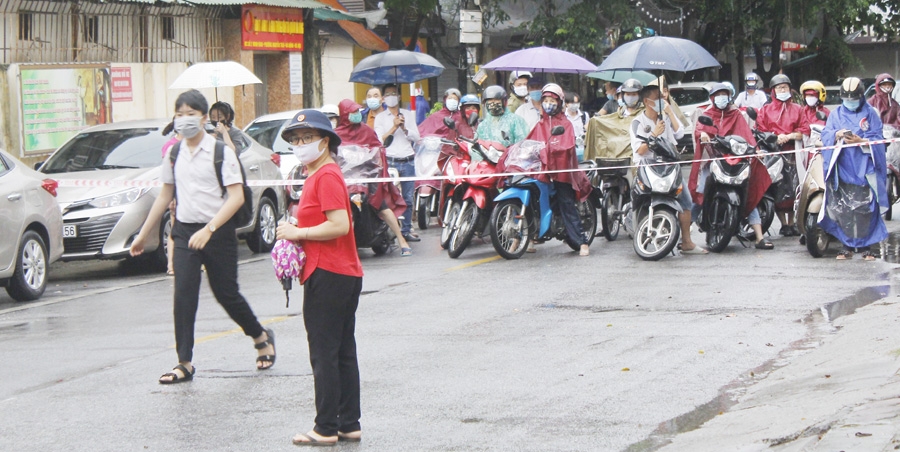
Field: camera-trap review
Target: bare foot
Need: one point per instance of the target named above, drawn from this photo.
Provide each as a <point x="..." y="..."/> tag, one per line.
<point x="585" y="250"/>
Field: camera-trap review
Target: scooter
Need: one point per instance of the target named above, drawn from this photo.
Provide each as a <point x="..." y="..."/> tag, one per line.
<point x="363" y="162"/>
<point x="609" y="176"/>
<point x="893" y="165"/>
<point x="524" y="210"/>
<point x="427" y="192"/>
<point x="471" y="201"/>
<point x="726" y="188"/>
<point x="654" y="202"/>
<point x="810" y="202"/>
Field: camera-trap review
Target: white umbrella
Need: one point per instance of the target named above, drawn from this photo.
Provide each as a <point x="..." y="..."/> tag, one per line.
<point x="215" y="75"/>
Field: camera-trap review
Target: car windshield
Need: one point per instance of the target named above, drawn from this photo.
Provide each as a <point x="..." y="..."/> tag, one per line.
<point x="108" y="149"/>
<point x="689" y="96"/>
<point x="266" y="134"/>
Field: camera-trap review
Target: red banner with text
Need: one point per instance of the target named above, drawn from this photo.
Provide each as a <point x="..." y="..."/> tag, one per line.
<point x="271" y="28"/>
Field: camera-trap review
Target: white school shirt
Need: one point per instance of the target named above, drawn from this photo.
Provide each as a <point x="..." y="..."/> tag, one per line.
<point x="637" y="131"/>
<point x="197" y="187"/>
<point x="756" y="100"/>
<point x="402" y="145"/>
<point x="530" y="114"/>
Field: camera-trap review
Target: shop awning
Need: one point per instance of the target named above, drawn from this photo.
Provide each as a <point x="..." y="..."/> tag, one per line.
<point x="363" y="36"/>
<point x="809" y="59"/>
<point x="321" y="11"/>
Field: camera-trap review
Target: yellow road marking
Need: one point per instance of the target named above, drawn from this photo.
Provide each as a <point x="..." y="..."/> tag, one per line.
<point x="474" y="263"/>
<point x="215" y="336"/>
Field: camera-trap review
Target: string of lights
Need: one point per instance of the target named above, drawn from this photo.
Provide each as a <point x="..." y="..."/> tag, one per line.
<point x="646" y="10"/>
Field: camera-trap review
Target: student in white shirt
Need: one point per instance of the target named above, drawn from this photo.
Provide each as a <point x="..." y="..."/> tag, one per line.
<point x="754" y="96"/>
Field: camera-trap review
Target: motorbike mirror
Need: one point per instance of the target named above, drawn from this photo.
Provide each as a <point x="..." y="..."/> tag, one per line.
<point x="820" y="115"/>
<point x="706" y="121"/>
<point x="751" y="113"/>
<point x="771" y="138"/>
<point x="557" y="130"/>
<point x="473" y="118"/>
<point x="388" y="141"/>
<point x="504" y="135"/>
<point x="451" y="124"/>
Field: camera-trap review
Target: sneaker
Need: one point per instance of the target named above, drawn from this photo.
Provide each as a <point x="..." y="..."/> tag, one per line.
<point x="785" y="231"/>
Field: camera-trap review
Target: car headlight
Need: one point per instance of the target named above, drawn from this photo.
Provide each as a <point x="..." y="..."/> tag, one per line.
<point x="118" y="199"/>
<point x="739" y="147"/>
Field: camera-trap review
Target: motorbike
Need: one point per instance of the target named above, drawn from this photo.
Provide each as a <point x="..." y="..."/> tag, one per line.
<point x="609" y="176"/>
<point x="427" y="195"/>
<point x="893" y="166"/>
<point x="726" y="188"/>
<point x="470" y="200"/>
<point x="810" y="201"/>
<point x="654" y="205"/>
<point x="525" y="210"/>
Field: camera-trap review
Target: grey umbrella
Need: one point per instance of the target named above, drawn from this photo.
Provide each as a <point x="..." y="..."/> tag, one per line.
<point x="659" y="53"/>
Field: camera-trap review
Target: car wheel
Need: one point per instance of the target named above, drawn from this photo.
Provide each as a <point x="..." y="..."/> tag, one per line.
<point x="30" y="277"/>
<point x="263" y="237"/>
<point x="165" y="231"/>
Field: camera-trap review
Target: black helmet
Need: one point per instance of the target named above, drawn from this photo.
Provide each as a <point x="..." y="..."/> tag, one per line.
<point x="852" y="89"/>
<point x="779" y="79"/>
<point x="312" y="119"/>
<point x="495" y="92"/>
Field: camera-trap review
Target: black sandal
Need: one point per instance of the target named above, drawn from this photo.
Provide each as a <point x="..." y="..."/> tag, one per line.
<point x="845" y="255"/>
<point x="764" y="245"/>
<point x="869" y="256"/>
<point x="188" y="376"/>
<point x="266" y="359"/>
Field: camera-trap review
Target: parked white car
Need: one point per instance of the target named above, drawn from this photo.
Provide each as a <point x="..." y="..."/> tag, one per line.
<point x="31" y="228"/>
<point x="690" y="97"/>
<point x="266" y="130"/>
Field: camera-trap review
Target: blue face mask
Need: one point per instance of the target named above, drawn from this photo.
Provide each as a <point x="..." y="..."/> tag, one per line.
<point x="355" y="117"/>
<point x="611" y="96"/>
<point x="849" y="104"/>
<point x="373" y="103"/>
<point x="535" y="95"/>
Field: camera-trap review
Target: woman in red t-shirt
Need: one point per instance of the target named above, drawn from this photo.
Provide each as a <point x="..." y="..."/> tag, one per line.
<point x="332" y="279"/>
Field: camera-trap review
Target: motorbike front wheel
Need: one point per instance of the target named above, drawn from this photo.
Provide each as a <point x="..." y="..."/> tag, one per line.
<point x="462" y="236"/>
<point x="423" y="214"/>
<point x="766" y="208"/>
<point x="655" y="237"/>
<point x="611" y="214"/>
<point x="510" y="233"/>
<point x="721" y="226"/>
<point x="587" y="211"/>
<point x="893" y="191"/>
<point x="447" y="231"/>
<point x="817" y="239"/>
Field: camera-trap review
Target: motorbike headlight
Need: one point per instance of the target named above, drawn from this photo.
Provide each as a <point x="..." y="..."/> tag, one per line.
<point x="721" y="176"/>
<point x="662" y="184"/>
<point x="118" y="199"/>
<point x="739" y="147"/>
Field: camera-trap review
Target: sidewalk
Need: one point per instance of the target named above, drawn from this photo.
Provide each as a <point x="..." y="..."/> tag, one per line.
<point x="842" y="396"/>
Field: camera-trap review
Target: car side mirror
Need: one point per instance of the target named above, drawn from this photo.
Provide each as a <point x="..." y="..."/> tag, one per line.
<point x="751" y="112"/>
<point x="451" y="124"/>
<point x="388" y="141"/>
<point x="820" y="115"/>
<point x="706" y="121"/>
<point x="38" y="165"/>
<point x="557" y="130"/>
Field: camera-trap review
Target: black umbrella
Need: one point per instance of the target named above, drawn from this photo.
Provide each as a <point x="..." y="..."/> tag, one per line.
<point x="659" y="53"/>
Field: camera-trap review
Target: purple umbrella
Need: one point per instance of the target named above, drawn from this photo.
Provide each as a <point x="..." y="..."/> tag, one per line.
<point x="542" y="59"/>
<point x="288" y="259"/>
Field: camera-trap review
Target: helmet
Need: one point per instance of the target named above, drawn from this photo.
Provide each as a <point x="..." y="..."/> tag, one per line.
<point x="515" y="75"/>
<point x="716" y="87"/>
<point x="494" y="92"/>
<point x="779" y="79"/>
<point x="452" y="91"/>
<point x="730" y="88"/>
<point x="330" y="110"/>
<point x="554" y="89"/>
<point x="631" y="86"/>
<point x="888" y="79"/>
<point x="312" y="119"/>
<point x="470" y="99"/>
<point x="816" y="86"/>
<point x="751" y="77"/>
<point x="852" y="88"/>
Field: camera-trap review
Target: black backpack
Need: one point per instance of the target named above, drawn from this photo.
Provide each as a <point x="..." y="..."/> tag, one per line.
<point x="245" y="214"/>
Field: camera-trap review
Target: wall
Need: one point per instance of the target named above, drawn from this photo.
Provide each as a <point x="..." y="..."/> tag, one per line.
<point x="337" y="64"/>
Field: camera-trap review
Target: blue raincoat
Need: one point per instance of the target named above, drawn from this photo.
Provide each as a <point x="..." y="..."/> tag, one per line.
<point x="855" y="177"/>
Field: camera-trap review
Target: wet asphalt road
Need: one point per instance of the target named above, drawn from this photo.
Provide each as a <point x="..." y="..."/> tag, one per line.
<point x="550" y="352"/>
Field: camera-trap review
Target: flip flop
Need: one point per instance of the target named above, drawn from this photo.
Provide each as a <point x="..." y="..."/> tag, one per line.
<point x="406" y="252"/>
<point x="306" y="440"/>
<point x="188" y="376"/>
<point x="764" y="245"/>
<point x="695" y="250"/>
<point x="350" y="437"/>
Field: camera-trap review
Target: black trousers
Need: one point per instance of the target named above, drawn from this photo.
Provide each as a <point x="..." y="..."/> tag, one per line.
<point x="329" y="314"/>
<point x="565" y="202"/>
<point x="220" y="258"/>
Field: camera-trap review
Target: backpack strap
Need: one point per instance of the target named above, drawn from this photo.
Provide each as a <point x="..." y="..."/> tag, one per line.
<point x="218" y="160"/>
<point x="173" y="153"/>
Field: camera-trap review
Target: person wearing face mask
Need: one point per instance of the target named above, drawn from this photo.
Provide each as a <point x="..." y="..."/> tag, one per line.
<point x="332" y="280"/>
<point x="531" y="111"/>
<point x="659" y="121"/>
<point x="518" y="83"/>
<point x="578" y="119"/>
<point x="471" y="109"/>
<point x="607" y="136"/>
<point x="400" y="124"/>
<point x="884" y="103"/>
<point x="434" y="124"/>
<point x="221" y="116"/>
<point x="204" y="233"/>
<point x="813" y="93"/>
<point x="331" y="112"/>
<point x="784" y="118"/>
<point x="499" y="124"/>
<point x="753" y="96"/>
<point x="664" y="90"/>
<point x="858" y="172"/>
<point x="560" y="155"/>
<point x="374" y="106"/>
<point x="728" y="120"/>
<point x="384" y="196"/>
<point x="611" y="105"/>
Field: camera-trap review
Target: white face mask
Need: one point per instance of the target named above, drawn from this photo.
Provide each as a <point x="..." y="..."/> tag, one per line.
<point x="886" y="88"/>
<point x="392" y="100"/>
<point x="783" y="96"/>
<point x="721" y="101"/>
<point x="521" y="90"/>
<point x="630" y="100"/>
<point x="188" y="126"/>
<point x="452" y="104"/>
<point x="308" y="153"/>
<point x="574" y="107"/>
<point x="812" y="101"/>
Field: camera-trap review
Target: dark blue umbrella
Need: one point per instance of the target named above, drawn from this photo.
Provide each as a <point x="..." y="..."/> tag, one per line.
<point x="659" y="53"/>
<point x="396" y="66"/>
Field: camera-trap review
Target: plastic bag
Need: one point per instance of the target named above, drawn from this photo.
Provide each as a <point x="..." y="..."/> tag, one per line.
<point x="525" y="156"/>
<point x="428" y="150"/>
<point x="359" y="162"/>
<point x="850" y="206"/>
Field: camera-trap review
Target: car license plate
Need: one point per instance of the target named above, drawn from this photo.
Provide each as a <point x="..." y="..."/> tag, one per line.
<point x="70" y="231"/>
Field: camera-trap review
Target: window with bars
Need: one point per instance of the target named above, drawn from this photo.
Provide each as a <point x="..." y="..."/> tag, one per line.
<point x="91" y="29"/>
<point x="168" y="28"/>
<point x="26" y="26"/>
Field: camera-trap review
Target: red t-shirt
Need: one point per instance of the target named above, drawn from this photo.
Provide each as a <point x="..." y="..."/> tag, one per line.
<point x="323" y="191"/>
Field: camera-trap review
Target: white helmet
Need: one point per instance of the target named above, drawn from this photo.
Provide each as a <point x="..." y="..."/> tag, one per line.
<point x="330" y="110"/>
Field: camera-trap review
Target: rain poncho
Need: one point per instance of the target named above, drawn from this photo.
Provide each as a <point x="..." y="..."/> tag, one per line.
<point x="560" y="153"/>
<point x="886" y="105"/>
<point x="809" y="115"/>
<point x="363" y="135"/>
<point x="783" y="118"/>
<point x="492" y="128"/>
<point x="434" y="125"/>
<point x="855" y="179"/>
<point x="607" y="136"/>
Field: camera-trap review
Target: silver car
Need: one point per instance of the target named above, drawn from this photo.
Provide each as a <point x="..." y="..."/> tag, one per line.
<point x="101" y="221"/>
<point x="31" y="226"/>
